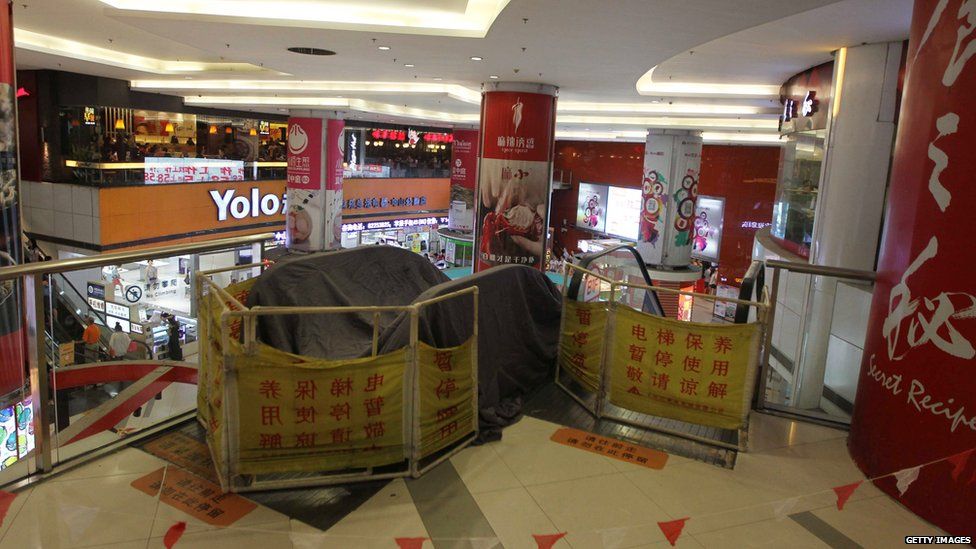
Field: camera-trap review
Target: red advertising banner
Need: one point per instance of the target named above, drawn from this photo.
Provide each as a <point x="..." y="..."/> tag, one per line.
<point x="513" y="178"/>
<point x="335" y="153"/>
<point x="464" y="159"/>
<point x="305" y="153"/>
<point x="916" y="399"/>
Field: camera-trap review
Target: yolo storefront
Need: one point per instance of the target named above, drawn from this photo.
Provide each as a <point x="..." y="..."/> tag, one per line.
<point x="398" y="212"/>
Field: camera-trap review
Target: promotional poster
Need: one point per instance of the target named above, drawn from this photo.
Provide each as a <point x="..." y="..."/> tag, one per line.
<point x="669" y="190"/>
<point x="591" y="207"/>
<point x="707" y="228"/>
<point x="464" y="175"/>
<point x="315" y="156"/>
<point x="514" y="176"/>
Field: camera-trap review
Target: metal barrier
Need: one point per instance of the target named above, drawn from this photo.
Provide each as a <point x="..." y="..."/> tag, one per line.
<point x="591" y="352"/>
<point x="411" y="431"/>
<point x="30" y="277"/>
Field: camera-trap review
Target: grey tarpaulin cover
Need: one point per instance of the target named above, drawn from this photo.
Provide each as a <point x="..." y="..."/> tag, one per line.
<point x="519" y="312"/>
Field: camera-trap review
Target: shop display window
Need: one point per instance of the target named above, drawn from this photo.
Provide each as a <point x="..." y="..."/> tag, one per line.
<point x="797" y="190"/>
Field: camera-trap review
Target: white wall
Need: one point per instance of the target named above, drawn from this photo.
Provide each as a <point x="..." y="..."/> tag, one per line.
<point x="61" y="210"/>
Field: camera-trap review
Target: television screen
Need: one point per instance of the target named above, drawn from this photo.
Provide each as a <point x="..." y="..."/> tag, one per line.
<point x="591" y="209"/>
<point x="623" y="212"/>
<point x="707" y="228"/>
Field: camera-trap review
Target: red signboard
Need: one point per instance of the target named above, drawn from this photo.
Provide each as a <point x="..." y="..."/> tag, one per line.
<point x="305" y="153"/>
<point x="334" y="153"/>
<point x="464" y="159"/>
<point x="916" y="399"/>
<point x="517" y="125"/>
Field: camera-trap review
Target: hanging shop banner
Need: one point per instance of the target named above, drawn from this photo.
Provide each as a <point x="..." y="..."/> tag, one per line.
<point x="297" y="416"/>
<point x="334" y="154"/>
<point x="916" y="397"/>
<point x="464" y="175"/>
<point x="514" y="177"/>
<point x="581" y="341"/>
<point x="670" y="188"/>
<point x="447" y="389"/>
<point x="688" y="371"/>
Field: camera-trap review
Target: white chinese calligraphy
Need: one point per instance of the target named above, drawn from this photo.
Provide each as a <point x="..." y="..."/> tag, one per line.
<point x="947" y="124"/>
<point x="967" y="11"/>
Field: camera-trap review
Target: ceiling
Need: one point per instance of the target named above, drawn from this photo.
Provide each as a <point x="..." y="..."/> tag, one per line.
<point x="599" y="54"/>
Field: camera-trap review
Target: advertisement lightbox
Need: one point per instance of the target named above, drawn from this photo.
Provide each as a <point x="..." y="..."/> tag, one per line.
<point x="623" y="212"/>
<point x="707" y="228"/>
<point x="591" y="208"/>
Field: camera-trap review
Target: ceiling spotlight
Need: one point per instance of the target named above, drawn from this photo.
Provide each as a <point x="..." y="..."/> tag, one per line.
<point x="383" y="48"/>
<point x="493" y="77"/>
<point x="438" y="78"/>
<point x="409" y="65"/>
<point x="655" y="100"/>
<point x="476" y="58"/>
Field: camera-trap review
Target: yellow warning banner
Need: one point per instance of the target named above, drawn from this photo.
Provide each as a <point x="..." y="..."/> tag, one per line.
<point x="581" y="341"/>
<point x="300" y="416"/>
<point x="688" y="371"/>
<point x="447" y="387"/>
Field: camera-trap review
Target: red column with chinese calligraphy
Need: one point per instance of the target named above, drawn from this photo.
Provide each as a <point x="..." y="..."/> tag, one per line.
<point x="916" y="399"/>
<point x="517" y="129"/>
<point x="315" y="156"/>
<point x="464" y="175"/>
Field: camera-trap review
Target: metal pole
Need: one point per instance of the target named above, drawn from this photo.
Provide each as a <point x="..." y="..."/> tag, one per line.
<point x="39" y="370"/>
<point x="768" y="339"/>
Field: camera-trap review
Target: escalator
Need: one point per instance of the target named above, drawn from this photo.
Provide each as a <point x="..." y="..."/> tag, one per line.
<point x="621" y="263"/>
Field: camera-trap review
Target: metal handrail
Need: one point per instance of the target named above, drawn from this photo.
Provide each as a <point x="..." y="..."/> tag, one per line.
<point x="115" y="258"/>
<point x="650" y="296"/>
<point x="821" y="270"/>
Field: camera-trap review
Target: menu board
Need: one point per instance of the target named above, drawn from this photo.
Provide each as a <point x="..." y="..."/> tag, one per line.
<point x="707" y="228"/>
<point x="161" y="170"/>
<point x="623" y="212"/>
<point x="591" y="209"/>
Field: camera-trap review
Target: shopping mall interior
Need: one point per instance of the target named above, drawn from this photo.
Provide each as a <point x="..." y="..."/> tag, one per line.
<point x="627" y="274"/>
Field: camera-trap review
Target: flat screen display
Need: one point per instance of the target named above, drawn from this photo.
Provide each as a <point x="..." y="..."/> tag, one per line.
<point x="623" y="212"/>
<point x="591" y="208"/>
<point x="707" y="228"/>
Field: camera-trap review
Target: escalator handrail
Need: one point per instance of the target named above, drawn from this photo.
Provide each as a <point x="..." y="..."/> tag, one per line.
<point x="650" y="297"/>
<point x="84" y="299"/>
<point x="750" y="290"/>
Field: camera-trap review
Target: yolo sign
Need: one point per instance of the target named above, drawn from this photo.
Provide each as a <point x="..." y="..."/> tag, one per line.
<point x="244" y="206"/>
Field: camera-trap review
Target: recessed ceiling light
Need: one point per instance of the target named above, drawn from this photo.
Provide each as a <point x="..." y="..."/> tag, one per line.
<point x="408" y="65"/>
<point x="438" y="78"/>
<point x="494" y="77"/>
<point x="310" y="51"/>
<point x="476" y="58"/>
<point x="655" y="100"/>
<point x="383" y="48"/>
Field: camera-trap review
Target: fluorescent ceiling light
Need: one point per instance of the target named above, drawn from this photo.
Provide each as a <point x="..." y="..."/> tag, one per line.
<point x="647" y="86"/>
<point x="741" y="137"/>
<point x="454" y="91"/>
<point x="402" y="17"/>
<point x="477" y="58"/>
<point x="660" y="108"/>
<point x="671" y="122"/>
<point x="640" y="137"/>
<point x="335" y="103"/>
<point x="53" y="45"/>
<point x="383" y="48"/>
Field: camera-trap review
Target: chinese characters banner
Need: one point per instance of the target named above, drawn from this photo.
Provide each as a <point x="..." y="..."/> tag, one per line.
<point x="581" y="341"/>
<point x="687" y="371"/>
<point x="319" y="416"/>
<point x="446" y="393"/>
<point x="916" y="397"/>
<point x="513" y="178"/>
<point x="464" y="175"/>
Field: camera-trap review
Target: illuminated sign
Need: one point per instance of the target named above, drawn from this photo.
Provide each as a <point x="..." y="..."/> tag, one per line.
<point x="392" y="224"/>
<point x="192" y="170"/>
<point x="384" y="202"/>
<point x="264" y="127"/>
<point x="89" y="116"/>
<point x="623" y="212"/>
<point x="754" y="224"/>
<point x="706" y="237"/>
<point x="114" y="309"/>
<point x="97" y="304"/>
<point x="112" y="320"/>
<point x="242" y="206"/>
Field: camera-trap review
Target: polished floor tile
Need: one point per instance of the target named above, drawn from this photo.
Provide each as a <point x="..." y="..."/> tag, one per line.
<point x="482" y="470"/>
<point x="515" y="517"/>
<point x="765" y="534"/>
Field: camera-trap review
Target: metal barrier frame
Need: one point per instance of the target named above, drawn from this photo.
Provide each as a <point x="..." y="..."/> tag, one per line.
<point x="227" y="472"/>
<point x="603" y="393"/>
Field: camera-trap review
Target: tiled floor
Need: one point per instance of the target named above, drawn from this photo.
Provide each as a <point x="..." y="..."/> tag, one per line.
<point x="778" y="495"/>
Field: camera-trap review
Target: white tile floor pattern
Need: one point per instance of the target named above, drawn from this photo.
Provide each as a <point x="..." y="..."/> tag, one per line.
<point x="523" y="485"/>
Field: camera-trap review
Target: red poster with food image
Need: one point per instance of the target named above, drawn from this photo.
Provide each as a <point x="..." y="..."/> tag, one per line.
<point x="513" y="184"/>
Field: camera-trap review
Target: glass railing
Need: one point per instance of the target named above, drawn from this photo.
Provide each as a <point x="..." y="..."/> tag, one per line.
<point x="812" y="354"/>
<point x="162" y="171"/>
<point x="66" y="397"/>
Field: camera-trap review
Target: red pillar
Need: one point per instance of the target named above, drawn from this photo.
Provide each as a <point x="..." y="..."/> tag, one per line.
<point x="916" y="401"/>
<point x="517" y="129"/>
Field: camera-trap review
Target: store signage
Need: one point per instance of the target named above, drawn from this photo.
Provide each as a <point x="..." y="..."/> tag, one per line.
<point x="89" y="116"/>
<point x="384" y="202"/>
<point x="115" y="309"/>
<point x="112" y="320"/>
<point x="806" y="99"/>
<point x="305" y="153"/>
<point x="411" y="135"/>
<point x="97" y="304"/>
<point x="808" y="106"/>
<point x="191" y="170"/>
<point x="264" y="127"/>
<point x="754" y="224"/>
<point x="252" y="205"/>
<point x="96" y="290"/>
<point x="392" y="224"/>
<point x="706" y="240"/>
